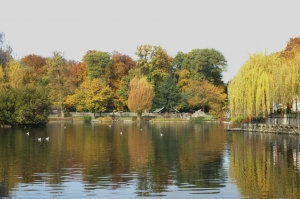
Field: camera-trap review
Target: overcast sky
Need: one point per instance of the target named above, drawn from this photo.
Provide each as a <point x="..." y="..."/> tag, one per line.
<point x="233" y="27"/>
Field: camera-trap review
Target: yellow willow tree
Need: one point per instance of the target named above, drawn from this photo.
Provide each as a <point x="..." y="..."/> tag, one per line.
<point x="262" y="81"/>
<point x="140" y="96"/>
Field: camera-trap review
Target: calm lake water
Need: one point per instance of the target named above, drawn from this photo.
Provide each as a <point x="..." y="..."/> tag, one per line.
<point x="160" y="160"/>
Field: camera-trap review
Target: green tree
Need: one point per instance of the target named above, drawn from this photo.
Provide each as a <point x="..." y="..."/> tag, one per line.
<point x="140" y="95"/>
<point x="97" y="62"/>
<point x="27" y="104"/>
<point x="202" y="63"/>
<point x="7" y="106"/>
<point x="31" y="105"/>
<point x="58" y="85"/>
<point x="154" y="63"/>
<point x="168" y="94"/>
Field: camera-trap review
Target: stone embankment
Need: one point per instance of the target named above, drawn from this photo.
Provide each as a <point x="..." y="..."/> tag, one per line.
<point x="269" y="128"/>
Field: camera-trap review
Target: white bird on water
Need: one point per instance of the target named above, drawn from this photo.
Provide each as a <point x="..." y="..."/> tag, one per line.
<point x="161" y="134"/>
<point x="47" y="138"/>
<point x="121" y="133"/>
<point x="27" y="133"/>
<point x="39" y="139"/>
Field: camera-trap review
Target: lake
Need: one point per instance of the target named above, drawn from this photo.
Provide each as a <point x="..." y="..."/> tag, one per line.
<point x="138" y="160"/>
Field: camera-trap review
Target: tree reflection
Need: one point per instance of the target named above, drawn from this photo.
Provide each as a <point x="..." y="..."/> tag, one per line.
<point x="100" y="156"/>
<point x="264" y="165"/>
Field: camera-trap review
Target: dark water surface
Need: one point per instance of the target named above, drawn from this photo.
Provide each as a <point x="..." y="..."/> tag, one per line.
<point x="160" y="160"/>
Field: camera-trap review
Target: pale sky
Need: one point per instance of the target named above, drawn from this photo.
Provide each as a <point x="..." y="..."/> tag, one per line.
<point x="233" y="27"/>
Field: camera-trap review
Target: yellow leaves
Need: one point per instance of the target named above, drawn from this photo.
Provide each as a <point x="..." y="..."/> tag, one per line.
<point x="92" y="95"/>
<point x="140" y="95"/>
<point x="70" y="101"/>
<point x="15" y="74"/>
<point x="183" y="79"/>
<point x="202" y="93"/>
<point x="1" y="74"/>
<point x="262" y="80"/>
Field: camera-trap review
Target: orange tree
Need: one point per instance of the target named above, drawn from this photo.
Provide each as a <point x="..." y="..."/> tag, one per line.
<point x="202" y="93"/>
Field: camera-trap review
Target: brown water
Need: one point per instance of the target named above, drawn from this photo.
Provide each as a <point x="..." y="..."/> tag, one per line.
<point x="161" y="160"/>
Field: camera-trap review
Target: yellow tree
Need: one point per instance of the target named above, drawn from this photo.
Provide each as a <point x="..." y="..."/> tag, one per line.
<point x="92" y="95"/>
<point x="58" y="83"/>
<point x="262" y="81"/>
<point x="249" y="90"/>
<point x="140" y="96"/>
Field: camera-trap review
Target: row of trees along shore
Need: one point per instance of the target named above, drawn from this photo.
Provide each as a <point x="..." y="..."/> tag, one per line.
<point x="266" y="80"/>
<point x="105" y="81"/>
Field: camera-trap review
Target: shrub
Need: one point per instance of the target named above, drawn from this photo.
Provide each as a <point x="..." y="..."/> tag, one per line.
<point x="239" y="119"/>
<point x="87" y="118"/>
<point x="67" y="114"/>
<point x="105" y="119"/>
<point x="197" y="119"/>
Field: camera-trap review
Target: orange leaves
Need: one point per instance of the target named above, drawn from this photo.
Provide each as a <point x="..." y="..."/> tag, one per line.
<point x="202" y="93"/>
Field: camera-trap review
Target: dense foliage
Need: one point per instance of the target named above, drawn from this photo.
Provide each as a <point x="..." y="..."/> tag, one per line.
<point x="106" y="82"/>
<point x="266" y="82"/>
<point x="140" y="95"/>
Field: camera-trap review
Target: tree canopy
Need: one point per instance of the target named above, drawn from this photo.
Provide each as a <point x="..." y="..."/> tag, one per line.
<point x="140" y="95"/>
<point x="169" y="95"/>
<point x="202" y="63"/>
<point x="204" y="94"/>
<point x="264" y="81"/>
<point x="104" y="81"/>
<point x="97" y="62"/>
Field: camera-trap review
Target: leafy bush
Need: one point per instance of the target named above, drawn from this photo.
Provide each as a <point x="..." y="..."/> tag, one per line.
<point x="87" y="118"/>
<point x="238" y="119"/>
<point x="67" y="114"/>
<point x="105" y="119"/>
<point x="197" y="119"/>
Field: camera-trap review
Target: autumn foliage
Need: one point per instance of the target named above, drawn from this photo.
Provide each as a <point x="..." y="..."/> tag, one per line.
<point x="265" y="81"/>
<point x="105" y="81"/>
<point x="140" y="95"/>
<point x="204" y="94"/>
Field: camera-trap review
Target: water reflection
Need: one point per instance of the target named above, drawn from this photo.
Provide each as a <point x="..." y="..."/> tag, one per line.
<point x="93" y="160"/>
<point x="265" y="165"/>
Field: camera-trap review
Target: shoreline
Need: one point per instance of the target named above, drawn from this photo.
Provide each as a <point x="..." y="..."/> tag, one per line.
<point x="269" y="128"/>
